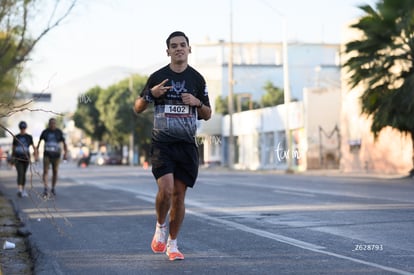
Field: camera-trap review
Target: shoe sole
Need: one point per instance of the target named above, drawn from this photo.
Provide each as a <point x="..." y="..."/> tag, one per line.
<point x="157" y="251"/>
<point x="176" y="258"/>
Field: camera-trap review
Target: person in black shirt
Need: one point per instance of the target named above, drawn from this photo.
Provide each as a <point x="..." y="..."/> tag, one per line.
<point x="21" y="155"/>
<point x="180" y="98"/>
<point x="52" y="137"/>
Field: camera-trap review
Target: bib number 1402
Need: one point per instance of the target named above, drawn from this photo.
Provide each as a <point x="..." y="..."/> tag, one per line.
<point x="177" y="109"/>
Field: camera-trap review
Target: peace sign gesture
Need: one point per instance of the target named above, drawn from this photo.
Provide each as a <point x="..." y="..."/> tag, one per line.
<point x="160" y="89"/>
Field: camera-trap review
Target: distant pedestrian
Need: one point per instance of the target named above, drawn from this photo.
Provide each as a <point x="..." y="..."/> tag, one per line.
<point x="52" y="137"/>
<point x="21" y="156"/>
<point x="180" y="96"/>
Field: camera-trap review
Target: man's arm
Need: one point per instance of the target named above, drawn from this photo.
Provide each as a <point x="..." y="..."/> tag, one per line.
<point x="35" y="152"/>
<point x="13" y="147"/>
<point x="65" y="150"/>
<point x="38" y="143"/>
<point x="140" y="105"/>
<point x="149" y="95"/>
<point x="204" y="111"/>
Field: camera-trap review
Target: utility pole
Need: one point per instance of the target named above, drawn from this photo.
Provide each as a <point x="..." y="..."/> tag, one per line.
<point x="286" y="86"/>
<point x="286" y="93"/>
<point x="131" y="136"/>
<point x="230" y="96"/>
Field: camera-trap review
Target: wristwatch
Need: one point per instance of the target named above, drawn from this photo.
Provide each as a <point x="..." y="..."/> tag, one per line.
<point x="148" y="97"/>
<point x="200" y="105"/>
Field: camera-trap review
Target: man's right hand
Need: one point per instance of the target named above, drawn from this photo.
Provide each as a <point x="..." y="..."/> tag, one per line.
<point x="160" y="89"/>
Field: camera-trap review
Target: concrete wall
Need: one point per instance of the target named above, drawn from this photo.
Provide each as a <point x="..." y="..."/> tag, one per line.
<point x="390" y="153"/>
<point x="322" y="118"/>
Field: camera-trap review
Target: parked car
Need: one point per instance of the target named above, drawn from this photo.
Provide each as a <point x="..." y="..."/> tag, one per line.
<point x="113" y="159"/>
<point x="99" y="158"/>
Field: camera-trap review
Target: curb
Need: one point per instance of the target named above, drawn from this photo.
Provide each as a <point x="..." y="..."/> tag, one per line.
<point x="18" y="260"/>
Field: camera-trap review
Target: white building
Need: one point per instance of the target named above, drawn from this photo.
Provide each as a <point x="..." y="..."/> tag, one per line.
<point x="258" y="133"/>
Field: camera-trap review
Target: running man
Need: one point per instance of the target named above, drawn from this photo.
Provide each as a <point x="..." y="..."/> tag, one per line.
<point x="180" y="98"/>
<point x="52" y="137"/>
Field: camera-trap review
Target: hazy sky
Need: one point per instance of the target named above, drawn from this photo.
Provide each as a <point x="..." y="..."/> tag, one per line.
<point x="132" y="33"/>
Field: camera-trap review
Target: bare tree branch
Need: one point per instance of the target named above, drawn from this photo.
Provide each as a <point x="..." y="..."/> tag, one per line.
<point x="24" y="45"/>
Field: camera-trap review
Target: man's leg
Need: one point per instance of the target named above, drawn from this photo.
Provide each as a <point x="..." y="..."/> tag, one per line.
<point x="162" y="206"/>
<point x="19" y="169"/>
<point x="177" y="208"/>
<point x="25" y="166"/>
<point x="46" y="163"/>
<point x="164" y="196"/>
<point x="55" y="168"/>
<point x="176" y="219"/>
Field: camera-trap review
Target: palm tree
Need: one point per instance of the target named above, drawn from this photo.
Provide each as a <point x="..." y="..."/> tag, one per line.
<point x="382" y="63"/>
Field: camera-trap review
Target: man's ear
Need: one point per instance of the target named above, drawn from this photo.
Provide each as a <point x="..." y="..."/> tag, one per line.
<point x="189" y="50"/>
<point x="168" y="54"/>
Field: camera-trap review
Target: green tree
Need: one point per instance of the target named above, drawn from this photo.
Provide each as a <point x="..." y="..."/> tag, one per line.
<point x="140" y="124"/>
<point x="8" y="78"/>
<point x="114" y="105"/>
<point x="273" y="95"/>
<point x="87" y="116"/>
<point x="382" y="63"/>
<point x="106" y="114"/>
<point x="222" y="105"/>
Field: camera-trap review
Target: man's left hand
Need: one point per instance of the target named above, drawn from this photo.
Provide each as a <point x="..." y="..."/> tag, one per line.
<point x="189" y="99"/>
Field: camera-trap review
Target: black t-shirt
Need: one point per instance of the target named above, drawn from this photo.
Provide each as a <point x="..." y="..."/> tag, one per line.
<point x="21" y="146"/>
<point x="52" y="139"/>
<point x="173" y="120"/>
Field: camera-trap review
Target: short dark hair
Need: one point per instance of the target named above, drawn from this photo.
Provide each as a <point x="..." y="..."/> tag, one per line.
<point x="22" y="125"/>
<point x="174" y="34"/>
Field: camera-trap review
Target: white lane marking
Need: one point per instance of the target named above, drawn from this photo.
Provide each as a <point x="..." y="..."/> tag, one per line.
<point x="281" y="238"/>
<point x="261" y="233"/>
<point x="295" y="193"/>
<point x="310" y="191"/>
<point x="257" y="232"/>
<point x="296" y="243"/>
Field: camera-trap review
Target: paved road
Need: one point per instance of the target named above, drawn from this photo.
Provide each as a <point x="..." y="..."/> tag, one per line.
<point x="102" y="222"/>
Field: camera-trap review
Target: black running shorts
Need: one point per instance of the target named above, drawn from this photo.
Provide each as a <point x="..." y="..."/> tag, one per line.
<point x="180" y="159"/>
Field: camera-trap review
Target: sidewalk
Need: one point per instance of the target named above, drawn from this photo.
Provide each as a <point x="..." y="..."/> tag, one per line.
<point x="17" y="260"/>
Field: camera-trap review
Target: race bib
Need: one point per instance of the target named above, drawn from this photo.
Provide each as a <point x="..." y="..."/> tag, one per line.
<point x="52" y="147"/>
<point x="177" y="109"/>
<point x="21" y="150"/>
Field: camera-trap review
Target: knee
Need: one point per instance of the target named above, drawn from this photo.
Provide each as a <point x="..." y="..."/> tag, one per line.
<point x="165" y="187"/>
<point x="178" y="196"/>
<point x="165" y="192"/>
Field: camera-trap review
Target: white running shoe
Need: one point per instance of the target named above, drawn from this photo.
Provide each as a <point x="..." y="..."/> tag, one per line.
<point x="158" y="244"/>
<point x="172" y="251"/>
